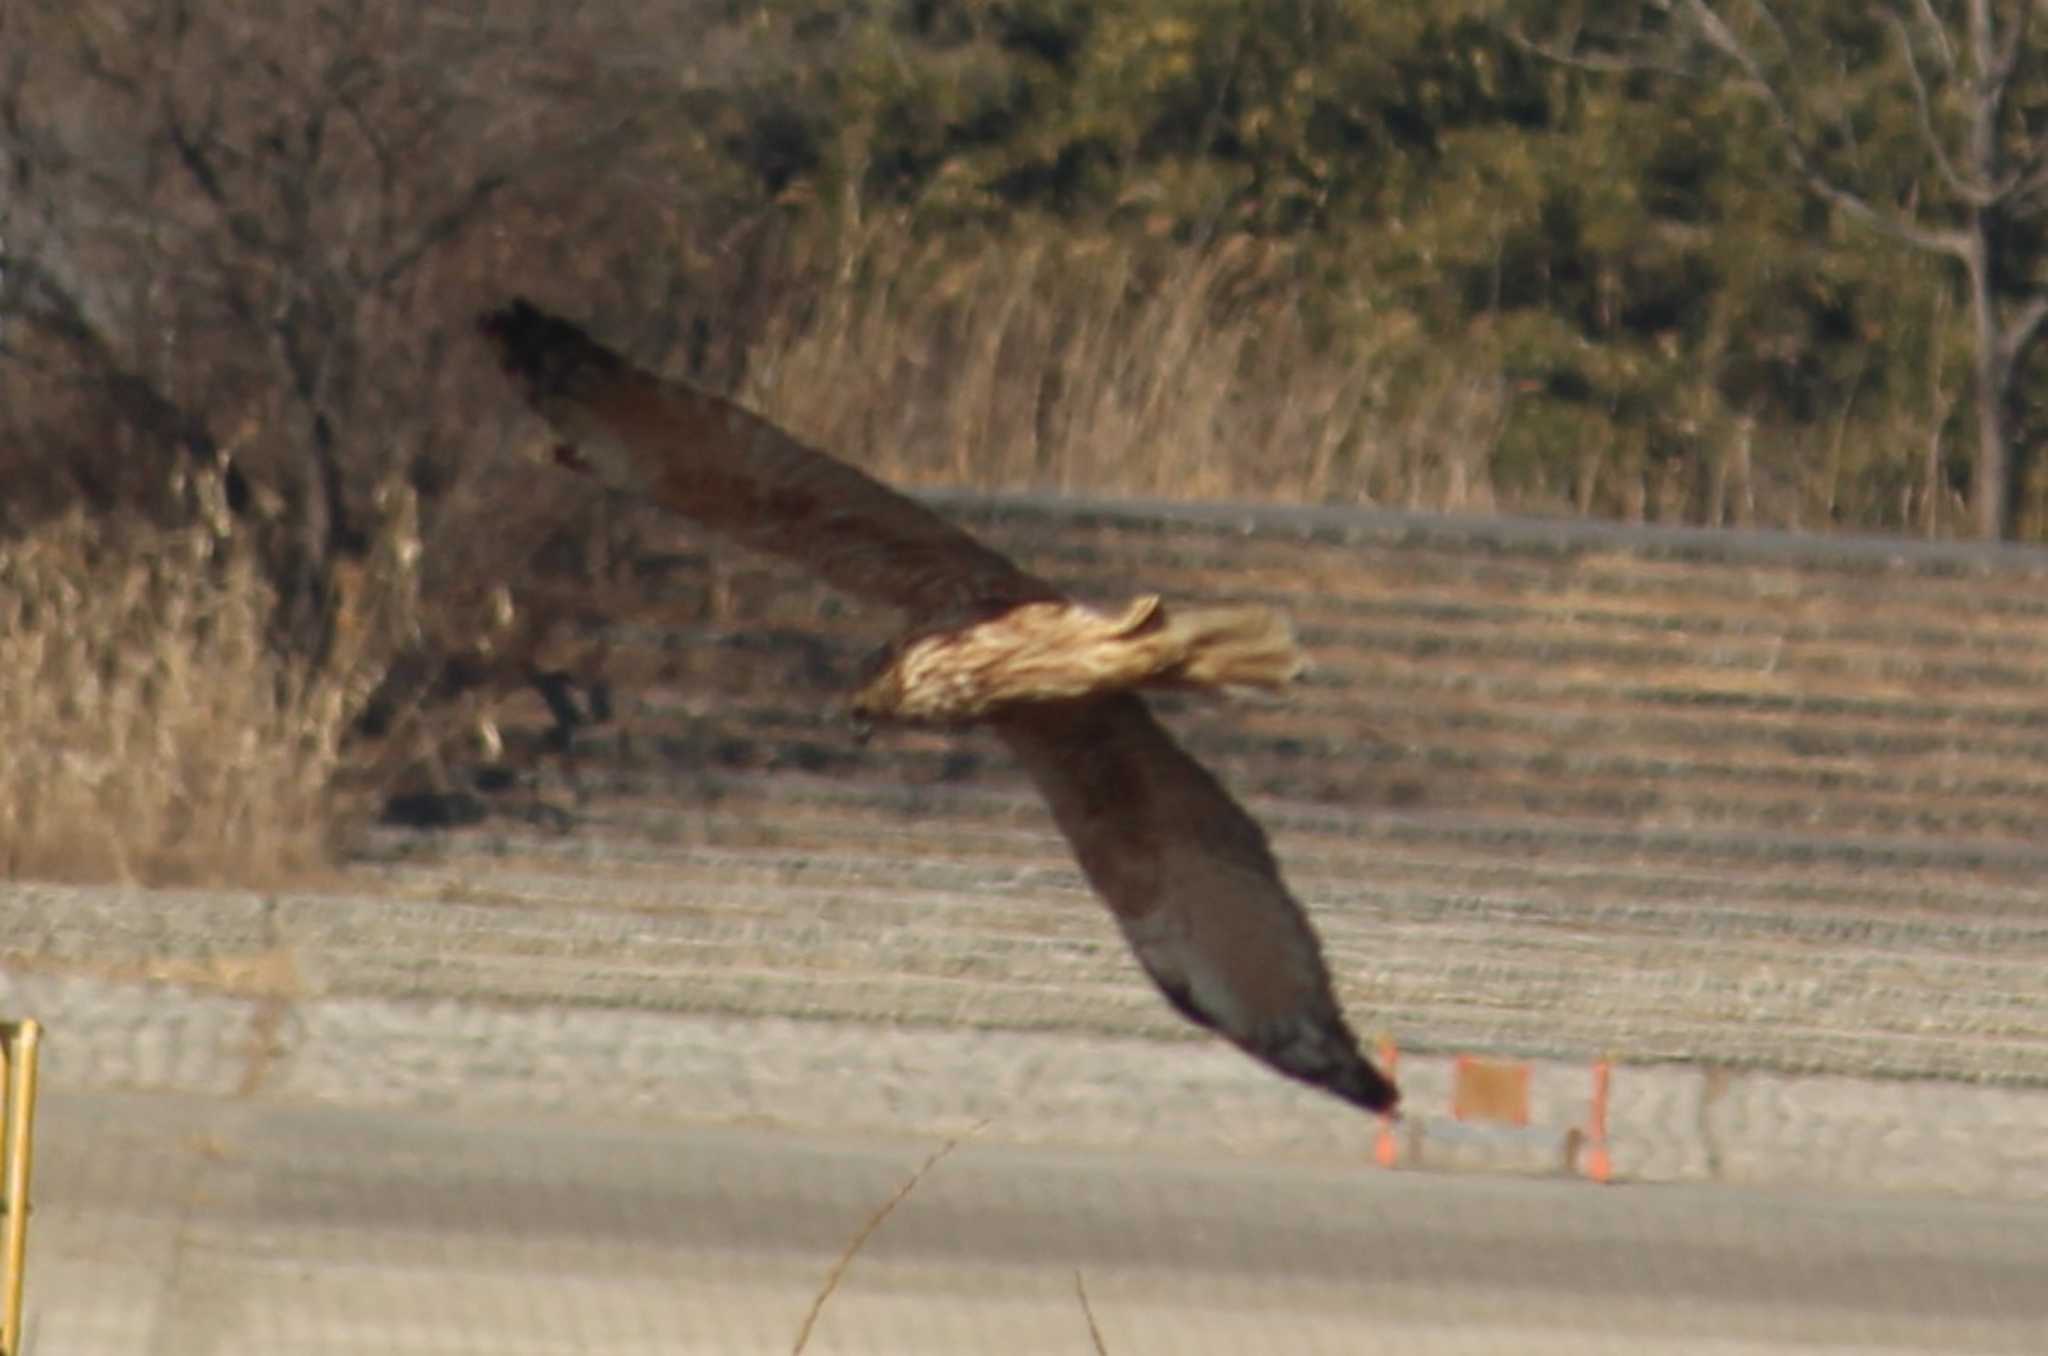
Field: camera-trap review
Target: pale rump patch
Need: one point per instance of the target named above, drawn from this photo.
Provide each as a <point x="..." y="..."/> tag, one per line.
<point x="1041" y="652"/>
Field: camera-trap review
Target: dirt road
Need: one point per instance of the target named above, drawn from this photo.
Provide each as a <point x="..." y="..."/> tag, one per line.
<point x="176" y="1225"/>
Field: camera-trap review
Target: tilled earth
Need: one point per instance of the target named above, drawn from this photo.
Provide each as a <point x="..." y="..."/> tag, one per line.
<point x="1759" y="818"/>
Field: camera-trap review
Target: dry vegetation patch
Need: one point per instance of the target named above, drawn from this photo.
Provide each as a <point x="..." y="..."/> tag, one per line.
<point x="1074" y="362"/>
<point x="152" y="732"/>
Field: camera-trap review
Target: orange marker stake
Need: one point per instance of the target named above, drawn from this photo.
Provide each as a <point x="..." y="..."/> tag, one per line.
<point x="1386" y="1152"/>
<point x="1599" y="1165"/>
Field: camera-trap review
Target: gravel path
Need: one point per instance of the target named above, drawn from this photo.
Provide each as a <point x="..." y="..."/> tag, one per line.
<point x="248" y="1227"/>
<point x="1669" y="1123"/>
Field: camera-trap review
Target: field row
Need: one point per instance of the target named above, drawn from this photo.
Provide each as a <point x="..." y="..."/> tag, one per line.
<point x="799" y="915"/>
<point x="1499" y="669"/>
<point x="1548" y="790"/>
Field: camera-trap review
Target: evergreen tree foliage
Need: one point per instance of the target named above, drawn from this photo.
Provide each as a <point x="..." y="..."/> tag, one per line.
<point x="1576" y="216"/>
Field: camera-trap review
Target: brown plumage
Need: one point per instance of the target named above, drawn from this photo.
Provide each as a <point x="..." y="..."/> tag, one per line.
<point x="1186" y="872"/>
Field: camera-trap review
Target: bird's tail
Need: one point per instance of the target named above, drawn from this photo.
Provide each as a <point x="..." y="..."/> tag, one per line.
<point x="1227" y="648"/>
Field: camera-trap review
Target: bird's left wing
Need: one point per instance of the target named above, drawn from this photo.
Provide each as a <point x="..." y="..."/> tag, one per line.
<point x="738" y="475"/>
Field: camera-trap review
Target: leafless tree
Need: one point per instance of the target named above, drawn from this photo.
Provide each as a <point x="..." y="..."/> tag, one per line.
<point x="255" y="235"/>
<point x="236" y="226"/>
<point x="1975" y="192"/>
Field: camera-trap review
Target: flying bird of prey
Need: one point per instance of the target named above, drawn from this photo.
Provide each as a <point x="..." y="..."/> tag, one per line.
<point x="1185" y="870"/>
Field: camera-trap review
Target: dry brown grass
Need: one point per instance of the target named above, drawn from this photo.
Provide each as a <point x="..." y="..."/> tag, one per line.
<point x="151" y="731"/>
<point x="1092" y="365"/>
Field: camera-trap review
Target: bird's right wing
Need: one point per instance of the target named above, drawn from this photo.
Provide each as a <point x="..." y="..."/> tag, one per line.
<point x="740" y="476"/>
<point x="1194" y="886"/>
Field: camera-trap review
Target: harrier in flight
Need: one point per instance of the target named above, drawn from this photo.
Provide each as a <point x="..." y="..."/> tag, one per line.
<point x="1187" y="873"/>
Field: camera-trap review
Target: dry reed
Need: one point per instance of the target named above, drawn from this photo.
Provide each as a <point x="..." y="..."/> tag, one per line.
<point x="149" y="730"/>
<point x="1092" y="365"/>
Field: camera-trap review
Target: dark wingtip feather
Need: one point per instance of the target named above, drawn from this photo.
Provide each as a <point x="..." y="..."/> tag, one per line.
<point x="1320" y="1051"/>
<point x="543" y="352"/>
<point x="1364" y="1085"/>
<point x="1325" y="1054"/>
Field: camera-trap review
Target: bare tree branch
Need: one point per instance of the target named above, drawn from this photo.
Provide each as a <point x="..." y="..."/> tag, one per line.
<point x="1929" y="137"/>
<point x="1898" y="226"/>
<point x="444" y="226"/>
<point x="2027" y="184"/>
<point x="2023" y="327"/>
<point x="1597" y="63"/>
<point x="1937" y="33"/>
<point x="24" y="283"/>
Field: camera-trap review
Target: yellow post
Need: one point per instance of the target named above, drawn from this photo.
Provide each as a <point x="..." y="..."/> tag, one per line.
<point x="18" y="1075"/>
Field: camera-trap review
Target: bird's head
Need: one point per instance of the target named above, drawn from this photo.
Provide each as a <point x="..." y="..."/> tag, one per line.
<point x="917" y="680"/>
<point x="878" y="693"/>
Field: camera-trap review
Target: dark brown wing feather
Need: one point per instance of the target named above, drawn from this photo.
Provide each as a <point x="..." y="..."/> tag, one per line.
<point x="1194" y="886"/>
<point x="740" y="476"/>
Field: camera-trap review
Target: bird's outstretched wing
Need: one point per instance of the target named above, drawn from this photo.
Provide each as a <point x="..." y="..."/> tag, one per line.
<point x="1194" y="886"/>
<point x="1187" y="873"/>
<point x="735" y="473"/>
